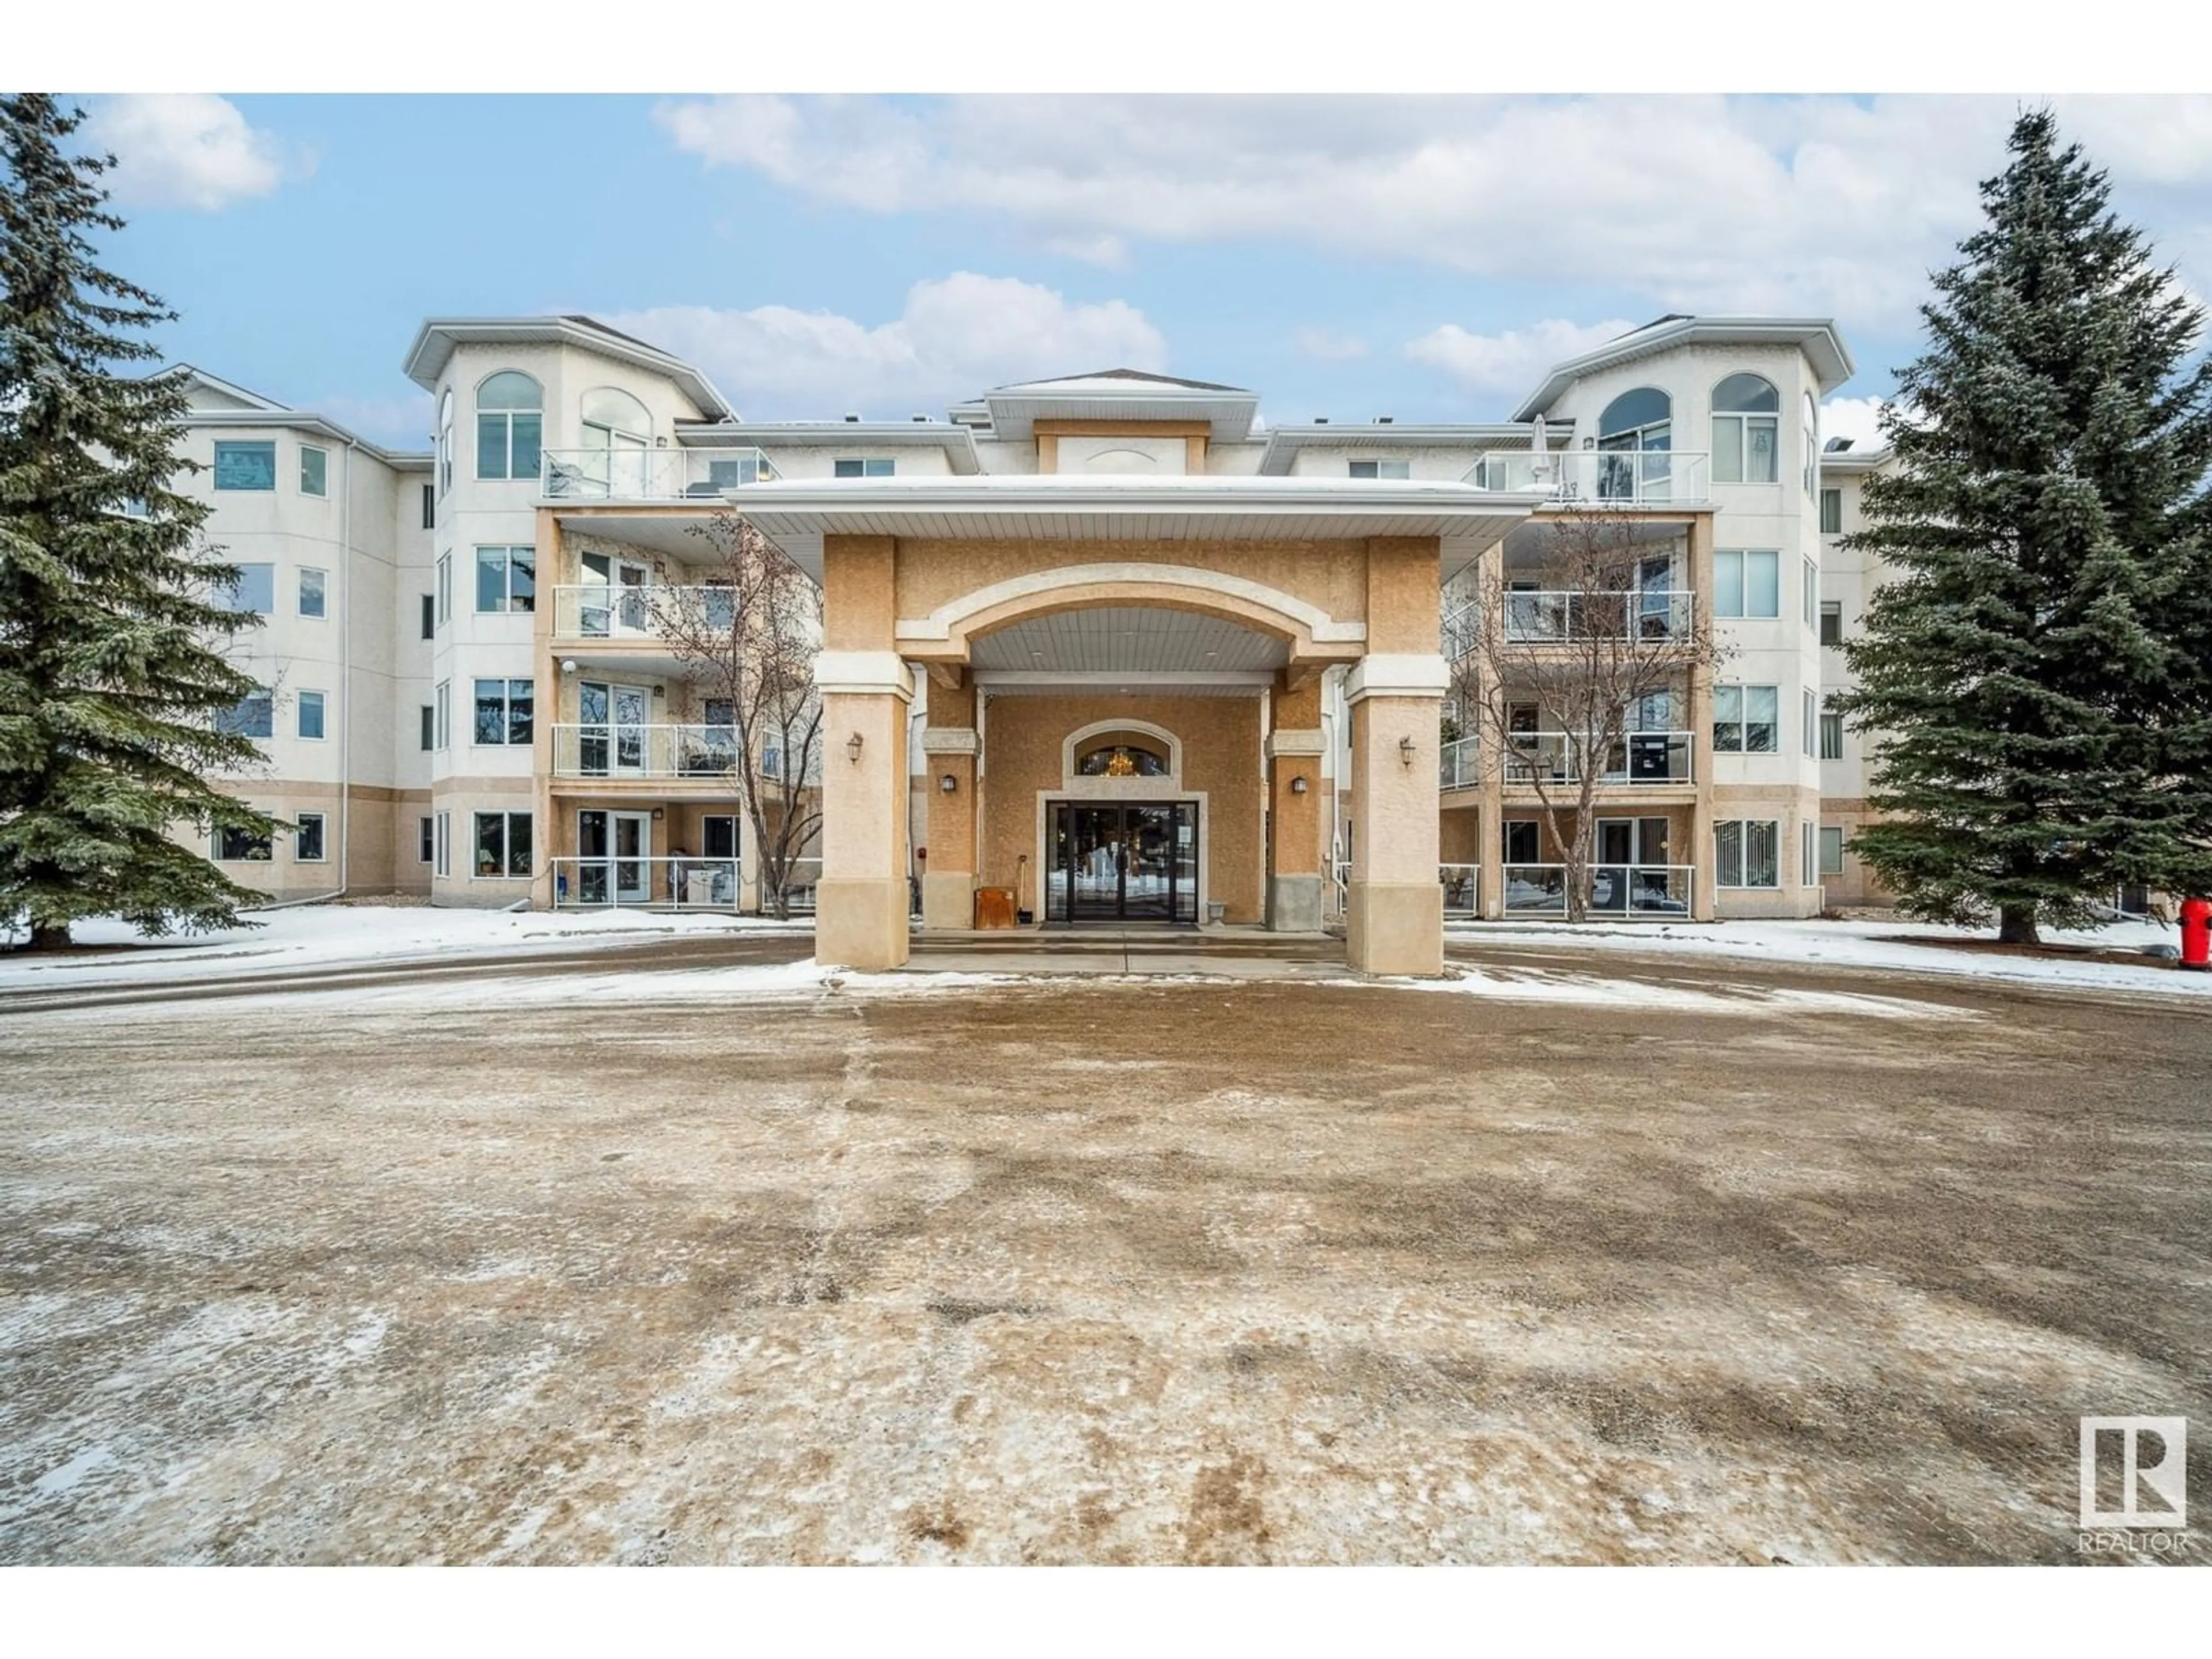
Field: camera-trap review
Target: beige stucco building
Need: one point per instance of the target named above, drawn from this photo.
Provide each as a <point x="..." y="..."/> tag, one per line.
<point x="1109" y="644"/>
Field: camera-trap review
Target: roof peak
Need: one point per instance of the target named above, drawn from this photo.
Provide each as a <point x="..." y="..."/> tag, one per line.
<point x="1135" y="376"/>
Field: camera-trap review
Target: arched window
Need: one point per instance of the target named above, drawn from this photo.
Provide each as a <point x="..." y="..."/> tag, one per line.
<point x="1638" y="424"/>
<point x="1121" y="760"/>
<point x="1747" y="431"/>
<point x="446" y="441"/>
<point x="617" y="433"/>
<point x="510" y="425"/>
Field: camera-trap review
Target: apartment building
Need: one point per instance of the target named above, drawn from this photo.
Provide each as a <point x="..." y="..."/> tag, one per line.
<point x="1104" y="643"/>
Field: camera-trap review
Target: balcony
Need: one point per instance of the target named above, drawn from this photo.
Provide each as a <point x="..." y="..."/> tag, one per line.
<point x="684" y="884"/>
<point x="599" y="610"/>
<point x="1601" y="477"/>
<point x="1657" y="891"/>
<point x="617" y="751"/>
<point x="1458" y="634"/>
<point x="1458" y="764"/>
<point x="1642" y="758"/>
<point x="649" y="475"/>
<point x="1538" y="617"/>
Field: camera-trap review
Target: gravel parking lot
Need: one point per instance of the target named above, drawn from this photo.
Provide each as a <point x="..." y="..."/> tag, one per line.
<point x="1609" y="1260"/>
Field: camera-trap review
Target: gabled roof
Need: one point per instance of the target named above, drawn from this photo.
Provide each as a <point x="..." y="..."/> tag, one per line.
<point x="1114" y="394"/>
<point x="435" y="340"/>
<point x="218" y="403"/>
<point x="1815" y="335"/>
<point x="217" y="393"/>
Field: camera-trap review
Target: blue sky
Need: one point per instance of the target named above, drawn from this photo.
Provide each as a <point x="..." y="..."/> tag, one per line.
<point x="1347" y="257"/>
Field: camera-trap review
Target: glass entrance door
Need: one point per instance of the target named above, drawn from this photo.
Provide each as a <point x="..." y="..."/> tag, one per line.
<point x="613" y="853"/>
<point x="1124" y="861"/>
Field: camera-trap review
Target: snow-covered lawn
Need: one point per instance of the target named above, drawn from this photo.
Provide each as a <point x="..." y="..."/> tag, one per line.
<point x="1868" y="944"/>
<point x="323" y="936"/>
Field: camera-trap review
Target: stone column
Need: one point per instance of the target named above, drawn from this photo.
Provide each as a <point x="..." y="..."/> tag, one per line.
<point x="1395" y="924"/>
<point x="1294" y="849"/>
<point x="948" y="880"/>
<point x="861" y="902"/>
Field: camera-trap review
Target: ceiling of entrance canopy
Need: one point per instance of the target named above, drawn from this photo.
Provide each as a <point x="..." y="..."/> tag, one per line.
<point x="1133" y="640"/>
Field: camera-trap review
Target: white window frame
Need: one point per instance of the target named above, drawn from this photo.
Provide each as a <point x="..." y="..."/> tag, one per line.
<point x="441" y="846"/>
<point x="1721" y="868"/>
<point x="324" y="455"/>
<point x="426" y="839"/>
<point x="1810" y="714"/>
<point x="506" y="550"/>
<point x="1811" y="594"/>
<point x="1741" y="719"/>
<point x="1724" y="599"/>
<point x="1827" y="830"/>
<point x="1744" y="420"/>
<point x="266" y="696"/>
<point x="322" y="837"/>
<point x="1830" y="608"/>
<point x="232" y="595"/>
<point x="443" y="701"/>
<point x="216" y="844"/>
<point x="1806" y="876"/>
<point x="1831" y="524"/>
<point x="506" y="418"/>
<point x="870" y="466"/>
<point x="214" y="475"/>
<point x="445" y="442"/>
<point x="1379" y="468"/>
<point x="445" y="588"/>
<point x="321" y="704"/>
<point x="507" y="871"/>
<point x="430" y="725"/>
<point x="506" y="700"/>
<point x="1831" y="723"/>
<point x="322" y="610"/>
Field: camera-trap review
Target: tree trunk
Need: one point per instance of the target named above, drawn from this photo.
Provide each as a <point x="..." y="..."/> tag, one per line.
<point x="49" y="936"/>
<point x="2016" y="925"/>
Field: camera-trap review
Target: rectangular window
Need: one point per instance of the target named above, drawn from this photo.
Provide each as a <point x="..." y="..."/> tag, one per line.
<point x="1812" y="592"/>
<point x="1523" y="843"/>
<point x="507" y="443"/>
<point x="245" y="466"/>
<point x="1746" y="449"/>
<point x="1746" y="853"/>
<point x="429" y="726"/>
<point x="426" y="840"/>
<point x="445" y="588"/>
<point x="253" y="715"/>
<point x="1747" y="719"/>
<point x="1746" y="584"/>
<point x="503" y="711"/>
<point x="1832" y="852"/>
<point x="503" y="845"/>
<point x="507" y="579"/>
<point x="429" y="615"/>
<point x="1805" y="855"/>
<point x="1831" y="513"/>
<point x="1381" y="469"/>
<point x="1832" y="735"/>
<point x="1810" y="721"/>
<point x="444" y="704"/>
<point x="307" y="839"/>
<point x="315" y="470"/>
<point x="868" y="466"/>
<point x="429" y="507"/>
<point x="311" y="715"/>
<point x="235" y="846"/>
<point x="256" y="590"/>
<point x="1831" y="622"/>
<point x="441" y="861"/>
<point x="314" y="594"/>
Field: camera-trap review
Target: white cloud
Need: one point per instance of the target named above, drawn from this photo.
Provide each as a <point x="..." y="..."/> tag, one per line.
<point x="1511" y="363"/>
<point x="957" y="336"/>
<point x="1853" y="418"/>
<point x="1328" y="345"/>
<point x="188" y="150"/>
<point x="1819" y="205"/>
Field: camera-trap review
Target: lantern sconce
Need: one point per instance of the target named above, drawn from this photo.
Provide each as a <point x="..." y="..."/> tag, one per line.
<point x="949" y="785"/>
<point x="1299" y="784"/>
<point x="1405" y="751"/>
<point x="852" y="749"/>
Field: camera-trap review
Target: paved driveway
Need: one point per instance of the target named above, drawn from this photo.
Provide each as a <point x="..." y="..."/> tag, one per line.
<point x="1593" y="1262"/>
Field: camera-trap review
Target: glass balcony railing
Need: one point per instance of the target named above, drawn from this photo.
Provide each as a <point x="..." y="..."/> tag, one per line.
<point x="1539" y="616"/>
<point x="1641" y="757"/>
<point x="649" y="612"/>
<point x="650" y="474"/>
<point x="1628" y="478"/>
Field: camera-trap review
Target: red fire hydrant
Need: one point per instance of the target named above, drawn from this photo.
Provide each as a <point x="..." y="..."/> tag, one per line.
<point x="2196" y="933"/>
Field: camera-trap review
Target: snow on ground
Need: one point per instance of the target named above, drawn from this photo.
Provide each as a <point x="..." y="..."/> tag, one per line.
<point x="1868" y="944"/>
<point x="322" y="936"/>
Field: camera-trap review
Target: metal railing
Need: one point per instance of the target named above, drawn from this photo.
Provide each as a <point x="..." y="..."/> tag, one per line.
<point x="1461" y="633"/>
<point x="1458" y="764"/>
<point x="674" y="474"/>
<point x="1606" y="477"/>
<point x="603" y="610"/>
<point x="1616" y="889"/>
<point x="1646" y="757"/>
<point x="676" y="883"/>
<point x="1546" y="616"/>
<point x="799" y="884"/>
<point x="614" y="749"/>
<point x="1463" y="885"/>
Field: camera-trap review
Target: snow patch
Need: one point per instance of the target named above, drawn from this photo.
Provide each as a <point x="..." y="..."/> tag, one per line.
<point x="68" y="1477"/>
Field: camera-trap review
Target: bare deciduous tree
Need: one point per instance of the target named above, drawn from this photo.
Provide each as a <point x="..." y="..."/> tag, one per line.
<point x="1585" y="650"/>
<point x="749" y="631"/>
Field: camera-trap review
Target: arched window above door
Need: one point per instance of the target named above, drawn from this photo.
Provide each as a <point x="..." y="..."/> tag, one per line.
<point x="1121" y="760"/>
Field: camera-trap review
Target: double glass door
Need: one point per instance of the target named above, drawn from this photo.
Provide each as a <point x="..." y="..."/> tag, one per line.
<point x="611" y="728"/>
<point x="1124" y="861"/>
<point x="614" y="852"/>
<point x="613" y="602"/>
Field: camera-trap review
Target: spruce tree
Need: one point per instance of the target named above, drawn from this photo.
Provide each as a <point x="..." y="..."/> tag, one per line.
<point x="111" y="612"/>
<point x="2035" y="673"/>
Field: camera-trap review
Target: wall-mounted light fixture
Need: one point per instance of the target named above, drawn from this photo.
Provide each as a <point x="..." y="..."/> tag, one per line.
<point x="1299" y="784"/>
<point x="1405" y="751"/>
<point x="852" y="749"/>
<point x="658" y="812"/>
<point x="567" y="665"/>
<point x="659" y="691"/>
<point x="949" y="784"/>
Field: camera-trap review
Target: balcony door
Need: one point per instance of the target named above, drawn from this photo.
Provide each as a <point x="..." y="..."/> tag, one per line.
<point x="613" y="603"/>
<point x="1629" y="872"/>
<point x="614" y="853"/>
<point x="611" y="728"/>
